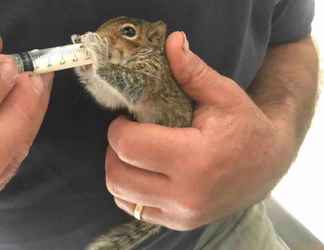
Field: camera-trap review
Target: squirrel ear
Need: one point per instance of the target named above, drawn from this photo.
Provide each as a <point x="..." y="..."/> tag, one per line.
<point x="157" y="33"/>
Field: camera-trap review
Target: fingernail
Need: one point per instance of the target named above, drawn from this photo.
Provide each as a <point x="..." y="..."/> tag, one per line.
<point x="186" y="46"/>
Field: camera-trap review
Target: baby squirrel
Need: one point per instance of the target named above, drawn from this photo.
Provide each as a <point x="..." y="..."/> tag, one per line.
<point x="131" y="71"/>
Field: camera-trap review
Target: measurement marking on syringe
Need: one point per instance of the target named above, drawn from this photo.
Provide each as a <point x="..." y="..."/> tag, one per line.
<point x="54" y="59"/>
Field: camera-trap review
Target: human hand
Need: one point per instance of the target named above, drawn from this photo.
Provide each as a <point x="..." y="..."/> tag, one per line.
<point x="23" y="103"/>
<point x="230" y="159"/>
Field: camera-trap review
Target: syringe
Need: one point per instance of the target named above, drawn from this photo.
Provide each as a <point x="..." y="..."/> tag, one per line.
<point x="53" y="59"/>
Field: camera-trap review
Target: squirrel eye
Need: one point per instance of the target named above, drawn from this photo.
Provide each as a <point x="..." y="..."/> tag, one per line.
<point x="129" y="31"/>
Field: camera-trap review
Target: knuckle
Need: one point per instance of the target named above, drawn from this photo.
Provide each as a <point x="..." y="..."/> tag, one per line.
<point x="121" y="147"/>
<point x="212" y="121"/>
<point x="112" y="181"/>
<point x="199" y="73"/>
<point x="202" y="167"/>
<point x="113" y="188"/>
<point x="32" y="83"/>
<point x="48" y="77"/>
<point x="190" y="210"/>
<point x="38" y="85"/>
<point x="3" y="185"/>
<point x="114" y="133"/>
<point x="20" y="155"/>
<point x="24" y="82"/>
<point x="32" y="113"/>
<point x="121" y="139"/>
<point x="23" y="79"/>
<point x="124" y="154"/>
<point x="185" y="225"/>
<point x="10" y="170"/>
<point x="188" y="226"/>
<point x="24" y="114"/>
<point x="195" y="67"/>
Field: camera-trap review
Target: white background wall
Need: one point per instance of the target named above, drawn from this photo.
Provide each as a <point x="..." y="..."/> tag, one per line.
<point x="301" y="192"/>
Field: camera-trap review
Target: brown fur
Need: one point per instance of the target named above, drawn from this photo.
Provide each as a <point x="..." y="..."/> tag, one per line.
<point x="134" y="74"/>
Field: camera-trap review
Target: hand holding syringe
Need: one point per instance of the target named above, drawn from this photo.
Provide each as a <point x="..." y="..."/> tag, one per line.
<point x="53" y="59"/>
<point x="23" y="103"/>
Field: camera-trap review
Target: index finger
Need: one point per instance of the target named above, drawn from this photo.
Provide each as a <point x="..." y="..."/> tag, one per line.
<point x="22" y="112"/>
<point x="153" y="147"/>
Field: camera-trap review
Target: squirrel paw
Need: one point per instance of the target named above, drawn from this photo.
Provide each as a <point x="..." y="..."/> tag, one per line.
<point x="96" y="46"/>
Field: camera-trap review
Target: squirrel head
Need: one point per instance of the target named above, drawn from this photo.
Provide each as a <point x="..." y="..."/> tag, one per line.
<point x="127" y="35"/>
<point x="122" y="37"/>
<point x="133" y="32"/>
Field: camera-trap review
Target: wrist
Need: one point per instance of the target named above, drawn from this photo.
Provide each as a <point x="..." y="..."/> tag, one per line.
<point x="284" y="122"/>
<point x="287" y="142"/>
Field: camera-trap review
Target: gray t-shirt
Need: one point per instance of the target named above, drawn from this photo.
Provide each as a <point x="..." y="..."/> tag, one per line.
<point x="58" y="200"/>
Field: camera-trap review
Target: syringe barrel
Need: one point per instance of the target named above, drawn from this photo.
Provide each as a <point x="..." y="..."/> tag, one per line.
<point x="53" y="59"/>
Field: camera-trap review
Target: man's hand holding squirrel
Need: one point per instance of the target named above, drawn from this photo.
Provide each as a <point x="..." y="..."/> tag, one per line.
<point x="23" y="102"/>
<point x="231" y="158"/>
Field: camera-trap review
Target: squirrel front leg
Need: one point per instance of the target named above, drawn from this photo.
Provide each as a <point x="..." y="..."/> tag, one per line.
<point x="134" y="86"/>
<point x="131" y="84"/>
<point x="148" y="98"/>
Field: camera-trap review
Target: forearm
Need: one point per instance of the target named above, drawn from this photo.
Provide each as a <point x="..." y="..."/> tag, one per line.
<point x="286" y="89"/>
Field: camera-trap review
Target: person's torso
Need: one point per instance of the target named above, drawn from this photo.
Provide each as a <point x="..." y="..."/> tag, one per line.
<point x="58" y="200"/>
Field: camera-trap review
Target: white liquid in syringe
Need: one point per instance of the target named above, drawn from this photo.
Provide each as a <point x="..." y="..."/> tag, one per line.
<point x="53" y="59"/>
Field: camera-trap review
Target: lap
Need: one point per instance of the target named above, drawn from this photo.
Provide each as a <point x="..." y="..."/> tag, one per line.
<point x="248" y="230"/>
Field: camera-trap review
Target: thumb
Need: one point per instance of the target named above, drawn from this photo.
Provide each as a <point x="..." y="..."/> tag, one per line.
<point x="197" y="79"/>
